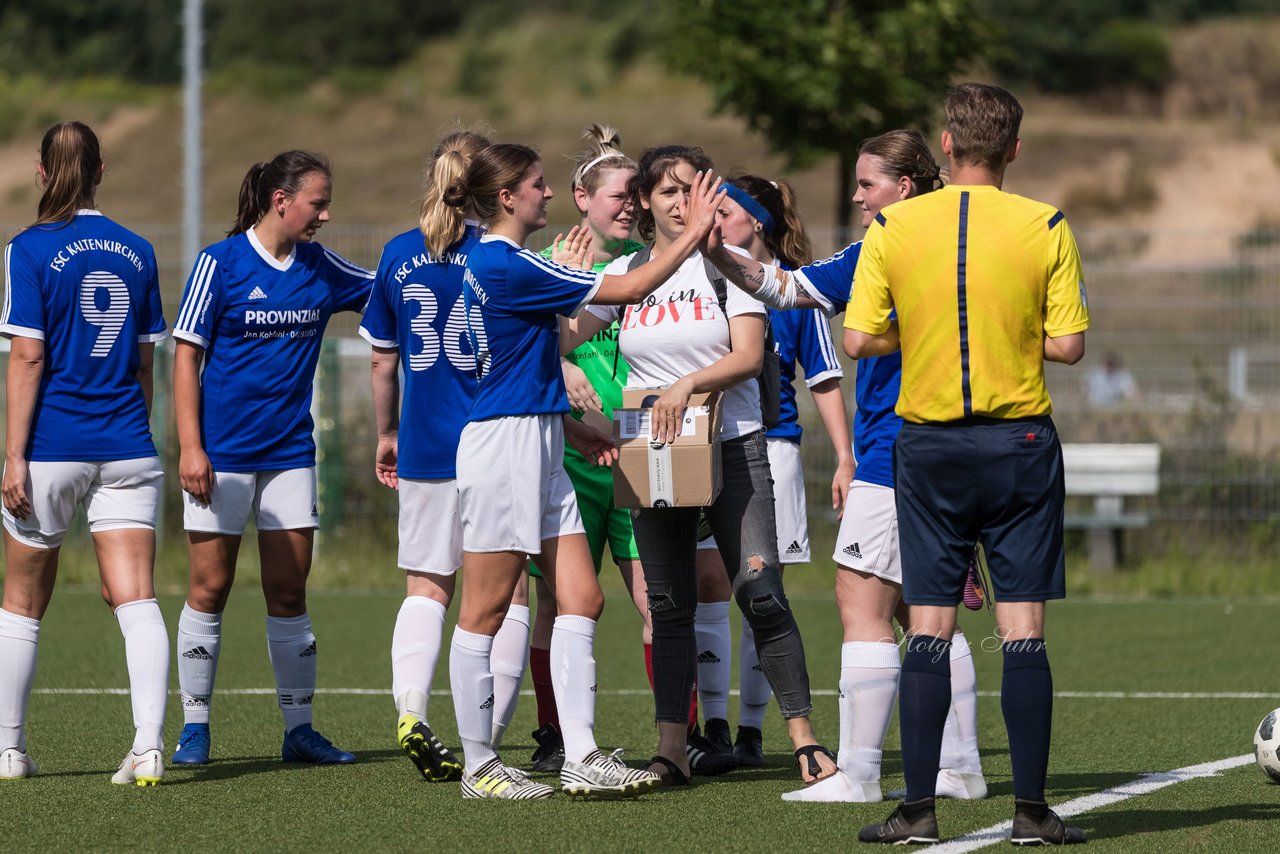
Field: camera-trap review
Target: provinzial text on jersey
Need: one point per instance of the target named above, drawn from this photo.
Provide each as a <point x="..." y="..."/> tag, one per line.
<point x="275" y="318"/>
<point x="91" y="243"/>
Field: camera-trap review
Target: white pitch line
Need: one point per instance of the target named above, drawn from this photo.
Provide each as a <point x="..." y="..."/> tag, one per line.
<point x="1144" y="785"/>
<point x="817" y="692"/>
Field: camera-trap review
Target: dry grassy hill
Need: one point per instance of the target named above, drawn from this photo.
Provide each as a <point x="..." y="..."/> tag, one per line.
<point x="1203" y="160"/>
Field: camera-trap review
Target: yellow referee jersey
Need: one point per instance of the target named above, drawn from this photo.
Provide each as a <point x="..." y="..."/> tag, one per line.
<point x="977" y="277"/>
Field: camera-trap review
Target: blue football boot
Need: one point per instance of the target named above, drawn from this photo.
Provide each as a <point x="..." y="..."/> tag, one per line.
<point x="193" y="745"/>
<point x="303" y="744"/>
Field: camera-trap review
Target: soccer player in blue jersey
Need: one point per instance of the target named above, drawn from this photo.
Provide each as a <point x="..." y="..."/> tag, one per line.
<point x="416" y="309"/>
<point x="516" y="499"/>
<point x="763" y="217"/>
<point x="594" y="376"/>
<point x="252" y="317"/>
<point x="82" y="309"/>
<point x="891" y="167"/>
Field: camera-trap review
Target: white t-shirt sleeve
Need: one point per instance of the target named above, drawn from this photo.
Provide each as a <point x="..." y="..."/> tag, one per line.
<point x="608" y="313"/>
<point x="737" y="302"/>
<point x="616" y="267"/>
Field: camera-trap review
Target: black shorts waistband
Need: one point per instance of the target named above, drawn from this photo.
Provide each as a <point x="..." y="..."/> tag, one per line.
<point x="982" y="421"/>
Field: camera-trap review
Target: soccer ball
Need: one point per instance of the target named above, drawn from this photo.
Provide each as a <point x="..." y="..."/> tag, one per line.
<point x="1266" y="745"/>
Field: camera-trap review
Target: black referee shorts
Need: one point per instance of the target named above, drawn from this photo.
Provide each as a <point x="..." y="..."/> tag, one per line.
<point x="998" y="481"/>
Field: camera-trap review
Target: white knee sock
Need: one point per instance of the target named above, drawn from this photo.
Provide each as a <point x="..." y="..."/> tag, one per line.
<point x="753" y="688"/>
<point x="573" y="677"/>
<point x="508" y="660"/>
<point x="19" y="637"/>
<point x="715" y="658"/>
<point x="292" y="649"/>
<point x="471" y="681"/>
<point x="868" y="687"/>
<point x="960" y="737"/>
<point x="415" y="649"/>
<point x="146" y="649"/>
<point x="199" y="640"/>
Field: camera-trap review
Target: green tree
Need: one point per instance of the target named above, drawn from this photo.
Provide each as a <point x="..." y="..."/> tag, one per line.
<point x="817" y="77"/>
<point x="137" y="39"/>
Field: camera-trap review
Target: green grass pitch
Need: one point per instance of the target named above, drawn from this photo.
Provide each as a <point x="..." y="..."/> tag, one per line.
<point x="246" y="800"/>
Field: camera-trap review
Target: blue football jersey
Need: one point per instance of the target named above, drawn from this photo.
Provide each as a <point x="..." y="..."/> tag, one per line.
<point x="89" y="290"/>
<point x="803" y="338"/>
<point x="875" y="424"/>
<point x="417" y="308"/>
<point x="260" y="322"/>
<point x="513" y="297"/>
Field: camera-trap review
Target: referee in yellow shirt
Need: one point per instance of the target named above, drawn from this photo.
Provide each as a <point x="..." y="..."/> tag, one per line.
<point x="978" y="287"/>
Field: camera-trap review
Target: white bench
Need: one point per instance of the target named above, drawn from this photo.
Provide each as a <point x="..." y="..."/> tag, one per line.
<point x="1109" y="473"/>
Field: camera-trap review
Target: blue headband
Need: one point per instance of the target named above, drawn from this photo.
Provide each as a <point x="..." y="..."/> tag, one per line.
<point x="749" y="205"/>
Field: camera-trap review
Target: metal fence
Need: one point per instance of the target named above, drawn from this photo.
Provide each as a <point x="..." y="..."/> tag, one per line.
<point x="1193" y="317"/>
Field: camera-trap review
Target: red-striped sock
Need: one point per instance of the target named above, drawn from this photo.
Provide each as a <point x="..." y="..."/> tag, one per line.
<point x="540" y="671"/>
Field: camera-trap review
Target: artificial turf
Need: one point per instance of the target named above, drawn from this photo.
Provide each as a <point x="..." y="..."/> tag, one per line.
<point x="247" y="800"/>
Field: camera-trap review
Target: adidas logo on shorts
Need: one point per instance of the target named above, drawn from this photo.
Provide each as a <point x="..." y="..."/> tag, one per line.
<point x="487" y="704"/>
<point x="309" y="651"/>
<point x="794" y="548"/>
<point x="258" y="293"/>
<point x="853" y="550"/>
<point x="198" y="652"/>
<point x="708" y="657"/>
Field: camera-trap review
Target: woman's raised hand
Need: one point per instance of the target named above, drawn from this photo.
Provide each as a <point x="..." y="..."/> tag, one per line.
<point x="705" y="195"/>
<point x="574" y="250"/>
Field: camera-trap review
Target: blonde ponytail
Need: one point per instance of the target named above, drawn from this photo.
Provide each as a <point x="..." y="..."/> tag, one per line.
<point x="72" y="161"/>
<point x="442" y="224"/>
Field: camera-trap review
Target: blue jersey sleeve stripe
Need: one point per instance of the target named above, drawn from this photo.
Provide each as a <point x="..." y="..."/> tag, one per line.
<point x="829" y="346"/>
<point x="377" y="342"/>
<point x="8" y="283"/>
<point x="813" y="380"/>
<point x="814" y="292"/>
<point x="11" y="331"/>
<point x="586" y="300"/>
<point x="198" y="340"/>
<point x="1056" y="218"/>
<point x="346" y="266"/>
<point x="880" y="219"/>
<point x="200" y="282"/>
<point x="152" y="337"/>
<point x="567" y="274"/>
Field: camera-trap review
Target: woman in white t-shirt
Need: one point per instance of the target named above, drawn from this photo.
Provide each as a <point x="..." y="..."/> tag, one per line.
<point x="680" y="338"/>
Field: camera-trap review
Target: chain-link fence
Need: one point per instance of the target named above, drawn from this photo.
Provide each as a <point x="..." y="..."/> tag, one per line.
<point x="1193" y="348"/>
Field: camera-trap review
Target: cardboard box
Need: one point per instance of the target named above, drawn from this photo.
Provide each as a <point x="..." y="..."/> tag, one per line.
<point x="683" y="473"/>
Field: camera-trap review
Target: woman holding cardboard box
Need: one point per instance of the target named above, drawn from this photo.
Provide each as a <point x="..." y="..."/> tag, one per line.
<point x="685" y="338"/>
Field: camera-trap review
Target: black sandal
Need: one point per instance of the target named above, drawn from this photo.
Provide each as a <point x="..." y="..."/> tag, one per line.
<point x="673" y="776"/>
<point x="810" y="752"/>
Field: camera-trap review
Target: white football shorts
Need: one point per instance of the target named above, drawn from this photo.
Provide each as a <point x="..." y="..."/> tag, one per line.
<point x="868" y="537"/>
<point x="430" y="526"/>
<point x="789" y="507"/>
<point x="283" y="500"/>
<point x="512" y="487"/>
<point x="117" y="494"/>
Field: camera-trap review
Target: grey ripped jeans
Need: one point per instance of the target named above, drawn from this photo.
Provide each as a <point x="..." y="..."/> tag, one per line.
<point x="742" y="519"/>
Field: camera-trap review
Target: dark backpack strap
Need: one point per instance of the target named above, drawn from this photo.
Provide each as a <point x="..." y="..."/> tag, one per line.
<point x="641" y="257"/>
<point x="769" y="376"/>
